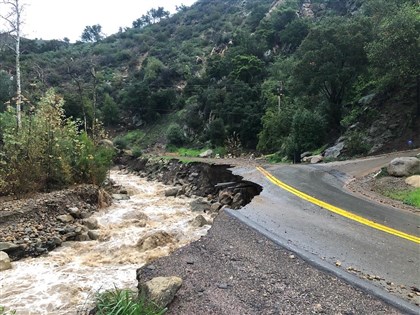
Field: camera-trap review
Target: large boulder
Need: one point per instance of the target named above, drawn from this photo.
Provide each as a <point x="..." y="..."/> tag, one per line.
<point x="200" y="205"/>
<point x="161" y="290"/>
<point x="4" y="261"/>
<point x="5" y="246"/>
<point x="413" y="181"/>
<point x="90" y="223"/>
<point x="199" y="221"/>
<point x="404" y="166"/>
<point x="335" y="151"/>
<point x="154" y="240"/>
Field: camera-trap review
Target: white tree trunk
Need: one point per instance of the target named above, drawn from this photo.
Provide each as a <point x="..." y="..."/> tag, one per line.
<point x="18" y="80"/>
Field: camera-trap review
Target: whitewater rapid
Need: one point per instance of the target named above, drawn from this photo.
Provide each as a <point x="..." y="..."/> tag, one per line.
<point x="66" y="280"/>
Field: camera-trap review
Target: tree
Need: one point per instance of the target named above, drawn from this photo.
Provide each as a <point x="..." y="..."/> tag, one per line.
<point x="110" y="113"/>
<point x="92" y="33"/>
<point x="5" y="88"/>
<point x="395" y="53"/>
<point x="331" y="58"/>
<point x="13" y="19"/>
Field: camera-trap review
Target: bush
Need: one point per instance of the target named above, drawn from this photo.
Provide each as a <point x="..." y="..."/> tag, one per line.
<point x="307" y="133"/>
<point x="122" y="302"/>
<point x="175" y="135"/>
<point x="120" y="143"/>
<point x="356" y="144"/>
<point x="47" y="152"/>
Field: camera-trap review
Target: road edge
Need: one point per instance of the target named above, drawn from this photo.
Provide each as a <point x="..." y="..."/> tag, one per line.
<point x="318" y="263"/>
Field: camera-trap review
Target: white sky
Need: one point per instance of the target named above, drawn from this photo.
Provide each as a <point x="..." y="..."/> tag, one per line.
<point x="56" y="19"/>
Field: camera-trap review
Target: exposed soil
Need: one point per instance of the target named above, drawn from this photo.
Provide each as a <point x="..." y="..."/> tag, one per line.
<point x="374" y="188"/>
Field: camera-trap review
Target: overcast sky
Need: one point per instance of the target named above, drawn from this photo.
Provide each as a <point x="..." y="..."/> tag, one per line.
<point x="56" y="19"/>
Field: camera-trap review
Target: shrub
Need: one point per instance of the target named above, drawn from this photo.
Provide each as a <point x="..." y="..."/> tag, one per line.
<point x="47" y="152"/>
<point x="120" y="143"/>
<point x="175" y="135"/>
<point x="356" y="144"/>
<point x="124" y="302"/>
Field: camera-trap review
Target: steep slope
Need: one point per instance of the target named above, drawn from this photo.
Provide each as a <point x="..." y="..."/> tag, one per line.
<point x="250" y="72"/>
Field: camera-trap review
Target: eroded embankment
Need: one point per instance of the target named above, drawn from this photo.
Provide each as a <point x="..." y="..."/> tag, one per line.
<point x="213" y="181"/>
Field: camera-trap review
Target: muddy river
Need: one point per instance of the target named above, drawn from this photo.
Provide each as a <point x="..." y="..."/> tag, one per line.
<point x="66" y="280"/>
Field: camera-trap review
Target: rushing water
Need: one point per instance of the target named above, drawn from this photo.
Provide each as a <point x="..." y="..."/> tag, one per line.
<point x="66" y="279"/>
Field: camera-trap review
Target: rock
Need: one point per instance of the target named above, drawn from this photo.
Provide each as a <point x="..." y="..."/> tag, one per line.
<point x="154" y="240"/>
<point x="90" y="223"/>
<point x="4" y="261"/>
<point x="199" y="221"/>
<point x="404" y="166"/>
<point x="93" y="235"/>
<point x="161" y="290"/>
<point x="334" y="152"/>
<point x="225" y="197"/>
<point x="65" y="218"/>
<point x="120" y="197"/>
<point x="74" y="212"/>
<point x="413" y="181"/>
<point x="305" y="154"/>
<point x="173" y="192"/>
<point x="206" y="154"/>
<point x="106" y="143"/>
<point x="215" y="207"/>
<point x="366" y="100"/>
<point x="316" y="159"/>
<point x="83" y="237"/>
<point x="237" y="201"/>
<point x="5" y="246"/>
<point x="200" y="205"/>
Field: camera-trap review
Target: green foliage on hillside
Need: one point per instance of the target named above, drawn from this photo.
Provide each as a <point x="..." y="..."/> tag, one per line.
<point x="48" y="151"/>
<point x="282" y="77"/>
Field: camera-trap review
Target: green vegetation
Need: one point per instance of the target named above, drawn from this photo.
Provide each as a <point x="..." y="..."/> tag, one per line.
<point x="410" y="197"/>
<point x="4" y="312"/>
<point x="48" y="151"/>
<point x="124" y="302"/>
<point x="232" y="73"/>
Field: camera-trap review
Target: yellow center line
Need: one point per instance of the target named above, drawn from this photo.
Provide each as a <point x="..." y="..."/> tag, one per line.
<point x="337" y="210"/>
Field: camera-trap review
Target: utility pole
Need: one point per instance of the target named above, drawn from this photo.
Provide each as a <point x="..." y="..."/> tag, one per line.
<point x="280" y="94"/>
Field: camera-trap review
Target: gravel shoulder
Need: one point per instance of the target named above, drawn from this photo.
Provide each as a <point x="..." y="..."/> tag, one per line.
<point x="236" y="270"/>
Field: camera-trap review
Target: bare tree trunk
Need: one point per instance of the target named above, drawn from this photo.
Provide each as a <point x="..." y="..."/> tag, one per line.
<point x="13" y="19"/>
<point x="18" y="80"/>
<point x="94" y="100"/>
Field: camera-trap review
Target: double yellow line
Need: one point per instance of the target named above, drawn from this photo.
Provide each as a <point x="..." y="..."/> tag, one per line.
<point x="337" y="210"/>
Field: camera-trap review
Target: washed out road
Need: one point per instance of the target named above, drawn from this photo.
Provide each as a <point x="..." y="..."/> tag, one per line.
<point x="373" y="241"/>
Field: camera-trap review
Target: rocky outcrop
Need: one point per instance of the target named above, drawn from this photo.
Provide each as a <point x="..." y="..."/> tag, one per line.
<point x="404" y="166"/>
<point x="160" y="290"/>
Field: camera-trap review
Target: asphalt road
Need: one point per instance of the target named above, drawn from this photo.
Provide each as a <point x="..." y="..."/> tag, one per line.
<point x="331" y="237"/>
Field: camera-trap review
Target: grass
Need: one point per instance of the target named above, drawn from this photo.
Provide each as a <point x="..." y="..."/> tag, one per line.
<point x="410" y="197"/>
<point x="124" y="302"/>
<point x="3" y="311"/>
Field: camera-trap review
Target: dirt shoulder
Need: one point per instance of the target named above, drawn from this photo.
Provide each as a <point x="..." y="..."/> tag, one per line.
<point x="235" y="270"/>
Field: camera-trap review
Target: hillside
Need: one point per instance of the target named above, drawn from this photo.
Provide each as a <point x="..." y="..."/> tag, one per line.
<point x="284" y="76"/>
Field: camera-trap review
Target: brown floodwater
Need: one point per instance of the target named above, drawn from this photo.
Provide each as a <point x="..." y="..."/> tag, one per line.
<point x="66" y="280"/>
